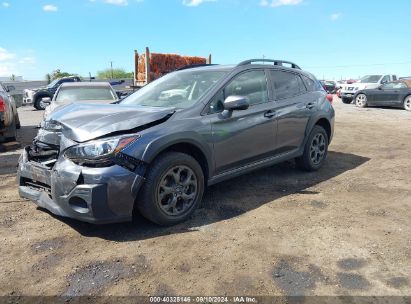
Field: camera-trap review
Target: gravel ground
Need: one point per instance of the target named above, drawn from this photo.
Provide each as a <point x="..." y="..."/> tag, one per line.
<point x="344" y="230"/>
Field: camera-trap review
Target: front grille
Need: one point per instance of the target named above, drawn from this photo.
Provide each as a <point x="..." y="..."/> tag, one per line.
<point x="43" y="153"/>
<point x="35" y="185"/>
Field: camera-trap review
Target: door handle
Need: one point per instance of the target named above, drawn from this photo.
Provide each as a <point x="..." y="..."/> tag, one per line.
<point x="269" y="114"/>
<point x="310" y="105"/>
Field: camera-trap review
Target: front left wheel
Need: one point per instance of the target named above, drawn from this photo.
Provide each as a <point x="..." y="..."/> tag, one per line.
<point x="173" y="189"/>
<point x="361" y="100"/>
<point x="39" y="104"/>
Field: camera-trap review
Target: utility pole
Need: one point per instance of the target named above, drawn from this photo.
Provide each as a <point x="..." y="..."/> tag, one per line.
<point x="111" y="68"/>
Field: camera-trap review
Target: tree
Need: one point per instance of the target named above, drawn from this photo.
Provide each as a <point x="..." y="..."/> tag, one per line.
<point x="57" y="74"/>
<point x="13" y="77"/>
<point x="113" y="74"/>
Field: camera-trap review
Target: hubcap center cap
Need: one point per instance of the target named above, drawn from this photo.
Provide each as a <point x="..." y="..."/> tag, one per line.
<point x="178" y="190"/>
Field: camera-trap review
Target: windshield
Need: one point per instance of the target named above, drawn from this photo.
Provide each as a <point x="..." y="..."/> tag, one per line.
<point x="70" y="94"/>
<point x="53" y="83"/>
<point x="370" y="78"/>
<point x="179" y="89"/>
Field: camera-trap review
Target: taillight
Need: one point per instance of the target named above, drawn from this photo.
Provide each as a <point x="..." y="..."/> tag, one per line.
<point x="330" y="98"/>
<point x="2" y="105"/>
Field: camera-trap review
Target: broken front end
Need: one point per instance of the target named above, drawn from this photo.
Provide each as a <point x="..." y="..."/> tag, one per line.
<point x="92" y="181"/>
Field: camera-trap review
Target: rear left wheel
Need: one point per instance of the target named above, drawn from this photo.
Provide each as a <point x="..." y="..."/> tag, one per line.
<point x="173" y="189"/>
<point x="315" y="150"/>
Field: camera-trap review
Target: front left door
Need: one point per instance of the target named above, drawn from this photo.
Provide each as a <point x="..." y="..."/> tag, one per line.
<point x="389" y="93"/>
<point x="248" y="135"/>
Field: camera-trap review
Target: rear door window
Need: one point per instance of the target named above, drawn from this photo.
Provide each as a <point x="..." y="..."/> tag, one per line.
<point x="287" y="84"/>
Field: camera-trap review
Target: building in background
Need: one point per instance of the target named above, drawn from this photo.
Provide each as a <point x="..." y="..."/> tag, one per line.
<point x="11" y="78"/>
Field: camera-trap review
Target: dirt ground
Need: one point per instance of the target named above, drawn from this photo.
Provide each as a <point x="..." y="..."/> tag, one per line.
<point x="344" y="230"/>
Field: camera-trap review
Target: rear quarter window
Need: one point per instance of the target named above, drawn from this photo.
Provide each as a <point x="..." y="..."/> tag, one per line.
<point x="311" y="84"/>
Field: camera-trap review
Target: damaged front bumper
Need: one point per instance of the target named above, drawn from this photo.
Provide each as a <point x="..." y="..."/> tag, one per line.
<point x="95" y="195"/>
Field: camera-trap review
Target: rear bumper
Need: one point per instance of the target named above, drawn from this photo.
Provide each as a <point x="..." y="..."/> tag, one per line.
<point x="94" y="195"/>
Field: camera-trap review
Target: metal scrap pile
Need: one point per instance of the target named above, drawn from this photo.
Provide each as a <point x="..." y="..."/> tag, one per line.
<point x="161" y="64"/>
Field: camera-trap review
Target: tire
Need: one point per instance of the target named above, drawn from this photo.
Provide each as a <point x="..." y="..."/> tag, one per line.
<point x="315" y="150"/>
<point x="407" y="103"/>
<point x="14" y="133"/>
<point x="361" y="100"/>
<point x="38" y="104"/>
<point x="166" y="201"/>
<point x="346" y="100"/>
<point x="17" y="118"/>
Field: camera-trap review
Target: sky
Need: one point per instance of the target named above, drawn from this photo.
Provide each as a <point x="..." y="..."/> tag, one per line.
<point x="333" y="39"/>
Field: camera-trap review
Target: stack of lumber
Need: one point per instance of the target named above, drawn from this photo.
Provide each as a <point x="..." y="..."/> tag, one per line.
<point x="161" y="64"/>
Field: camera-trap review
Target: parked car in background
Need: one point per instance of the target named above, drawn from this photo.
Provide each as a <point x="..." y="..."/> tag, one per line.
<point x="9" y="117"/>
<point x="36" y="96"/>
<point x="80" y="92"/>
<point x="329" y="86"/>
<point x="338" y="93"/>
<point x="392" y="94"/>
<point x="100" y="163"/>
<point x="367" y="82"/>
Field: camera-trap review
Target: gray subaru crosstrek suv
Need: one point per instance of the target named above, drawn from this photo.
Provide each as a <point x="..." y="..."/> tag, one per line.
<point x="158" y="149"/>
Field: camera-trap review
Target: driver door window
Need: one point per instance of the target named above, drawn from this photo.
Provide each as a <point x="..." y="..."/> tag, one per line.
<point x="385" y="79"/>
<point x="251" y="84"/>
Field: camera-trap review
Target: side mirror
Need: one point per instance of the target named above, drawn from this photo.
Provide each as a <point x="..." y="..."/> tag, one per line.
<point x="46" y="100"/>
<point x="235" y="103"/>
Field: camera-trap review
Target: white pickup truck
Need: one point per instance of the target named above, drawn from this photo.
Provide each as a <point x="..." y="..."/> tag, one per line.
<point x="367" y="82"/>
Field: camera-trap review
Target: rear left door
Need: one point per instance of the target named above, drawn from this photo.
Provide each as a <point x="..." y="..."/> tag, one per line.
<point x="294" y="105"/>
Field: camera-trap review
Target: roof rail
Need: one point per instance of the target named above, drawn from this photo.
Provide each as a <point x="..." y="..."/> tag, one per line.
<point x="275" y="62"/>
<point x="191" y="66"/>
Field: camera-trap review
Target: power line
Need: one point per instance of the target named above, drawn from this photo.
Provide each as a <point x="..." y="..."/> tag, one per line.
<point x="358" y="65"/>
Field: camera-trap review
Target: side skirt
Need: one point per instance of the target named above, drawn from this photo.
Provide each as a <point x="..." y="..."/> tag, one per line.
<point x="254" y="166"/>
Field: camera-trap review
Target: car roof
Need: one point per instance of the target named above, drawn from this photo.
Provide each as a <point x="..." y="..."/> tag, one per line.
<point x="231" y="67"/>
<point x="86" y="84"/>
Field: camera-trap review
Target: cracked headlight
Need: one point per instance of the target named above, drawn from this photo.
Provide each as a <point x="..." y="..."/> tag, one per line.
<point x="99" y="151"/>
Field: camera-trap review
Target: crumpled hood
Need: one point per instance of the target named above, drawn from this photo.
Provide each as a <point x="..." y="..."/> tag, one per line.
<point x="83" y="122"/>
<point x="55" y="105"/>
